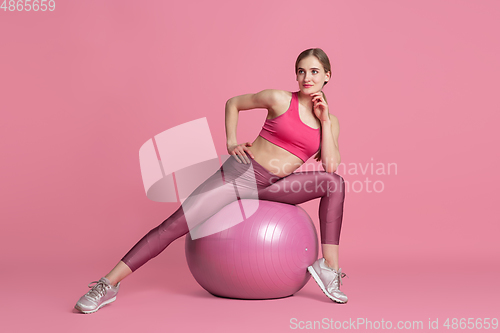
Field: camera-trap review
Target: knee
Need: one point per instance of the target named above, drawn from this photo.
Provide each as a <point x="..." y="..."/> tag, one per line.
<point x="335" y="182"/>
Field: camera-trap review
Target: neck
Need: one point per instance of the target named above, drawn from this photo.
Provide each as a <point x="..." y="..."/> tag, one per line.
<point x="305" y="100"/>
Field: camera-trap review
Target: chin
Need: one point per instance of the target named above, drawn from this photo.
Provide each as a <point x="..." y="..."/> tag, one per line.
<point x="310" y="90"/>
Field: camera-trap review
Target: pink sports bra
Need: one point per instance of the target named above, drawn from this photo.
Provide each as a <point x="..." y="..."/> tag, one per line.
<point x="290" y="133"/>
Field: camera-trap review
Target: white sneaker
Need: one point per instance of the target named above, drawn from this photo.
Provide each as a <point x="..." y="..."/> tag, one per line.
<point x="102" y="293"/>
<point x="328" y="279"/>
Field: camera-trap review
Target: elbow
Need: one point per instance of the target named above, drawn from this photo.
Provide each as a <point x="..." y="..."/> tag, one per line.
<point x="330" y="167"/>
<point x="231" y="105"/>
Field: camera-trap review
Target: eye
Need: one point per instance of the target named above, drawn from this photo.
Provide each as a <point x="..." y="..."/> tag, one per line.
<point x="315" y="71"/>
<point x="301" y="71"/>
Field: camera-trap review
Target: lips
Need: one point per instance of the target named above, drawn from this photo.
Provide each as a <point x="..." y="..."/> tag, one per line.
<point x="308" y="85"/>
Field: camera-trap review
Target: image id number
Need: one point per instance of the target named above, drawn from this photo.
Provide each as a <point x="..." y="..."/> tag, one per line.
<point x="28" y="5"/>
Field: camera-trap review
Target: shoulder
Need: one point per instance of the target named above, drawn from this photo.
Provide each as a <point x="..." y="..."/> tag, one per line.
<point x="335" y="125"/>
<point x="270" y="99"/>
<point x="333" y="119"/>
<point x="274" y="97"/>
<point x="278" y="101"/>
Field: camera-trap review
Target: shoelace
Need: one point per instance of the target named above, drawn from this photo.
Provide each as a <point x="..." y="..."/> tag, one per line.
<point x="97" y="290"/>
<point x="337" y="277"/>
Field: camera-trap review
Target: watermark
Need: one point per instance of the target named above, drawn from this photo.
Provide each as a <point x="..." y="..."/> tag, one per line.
<point x="317" y="183"/>
<point x="353" y="324"/>
<point x="181" y="165"/>
<point x="28" y="5"/>
<point x="351" y="169"/>
<point x="371" y="174"/>
<point x="368" y="324"/>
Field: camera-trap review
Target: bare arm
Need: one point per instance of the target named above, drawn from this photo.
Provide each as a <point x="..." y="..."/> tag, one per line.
<point x="330" y="154"/>
<point x="265" y="99"/>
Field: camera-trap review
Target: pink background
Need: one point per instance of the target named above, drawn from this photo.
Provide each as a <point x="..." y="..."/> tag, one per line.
<point x="82" y="88"/>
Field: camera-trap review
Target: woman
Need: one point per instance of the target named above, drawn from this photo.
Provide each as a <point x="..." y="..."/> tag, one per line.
<point x="298" y="126"/>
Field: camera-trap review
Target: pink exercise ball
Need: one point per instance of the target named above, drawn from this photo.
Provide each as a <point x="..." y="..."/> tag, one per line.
<point x="264" y="256"/>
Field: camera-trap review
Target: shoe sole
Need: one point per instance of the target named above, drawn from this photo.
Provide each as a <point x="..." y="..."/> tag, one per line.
<point x="322" y="286"/>
<point x="111" y="300"/>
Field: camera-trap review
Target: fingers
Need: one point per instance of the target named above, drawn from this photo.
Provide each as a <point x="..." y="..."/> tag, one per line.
<point x="318" y="94"/>
<point x="317" y="97"/>
<point x="249" y="144"/>
<point x="240" y="155"/>
<point x="245" y="158"/>
<point x="318" y="101"/>
<point x="236" y="157"/>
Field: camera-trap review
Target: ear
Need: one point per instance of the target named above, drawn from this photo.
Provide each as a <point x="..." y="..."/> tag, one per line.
<point x="328" y="75"/>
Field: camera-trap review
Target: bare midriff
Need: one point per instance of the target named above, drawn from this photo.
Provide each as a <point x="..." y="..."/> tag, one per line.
<point x="275" y="159"/>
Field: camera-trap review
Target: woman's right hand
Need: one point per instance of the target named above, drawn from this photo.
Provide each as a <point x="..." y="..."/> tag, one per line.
<point x="238" y="152"/>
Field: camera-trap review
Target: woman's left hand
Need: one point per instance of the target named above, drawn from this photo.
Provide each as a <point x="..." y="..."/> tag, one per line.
<point x="320" y="107"/>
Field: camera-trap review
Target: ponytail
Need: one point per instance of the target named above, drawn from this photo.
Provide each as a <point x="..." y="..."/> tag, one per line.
<point x="317" y="157"/>
<point x="324" y="96"/>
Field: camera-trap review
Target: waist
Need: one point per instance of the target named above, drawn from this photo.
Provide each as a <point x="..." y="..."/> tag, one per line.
<point x="248" y="173"/>
<point x="259" y="167"/>
<point x="274" y="159"/>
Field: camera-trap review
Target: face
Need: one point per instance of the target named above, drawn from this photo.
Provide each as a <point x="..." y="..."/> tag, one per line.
<point x="311" y="75"/>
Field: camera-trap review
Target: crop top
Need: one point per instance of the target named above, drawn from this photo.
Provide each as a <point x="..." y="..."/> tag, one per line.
<point x="290" y="133"/>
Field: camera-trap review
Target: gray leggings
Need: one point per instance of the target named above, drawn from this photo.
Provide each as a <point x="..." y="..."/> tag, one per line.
<point x="219" y="190"/>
